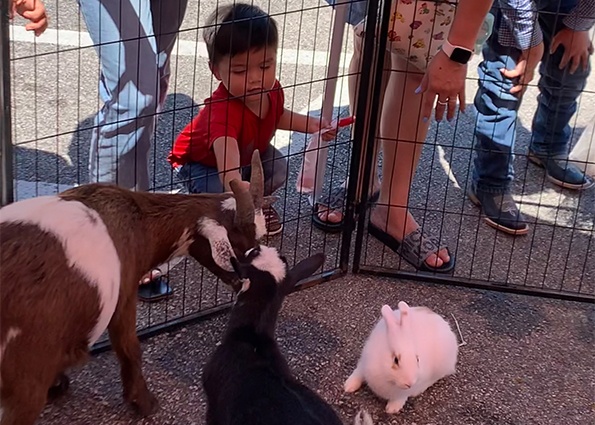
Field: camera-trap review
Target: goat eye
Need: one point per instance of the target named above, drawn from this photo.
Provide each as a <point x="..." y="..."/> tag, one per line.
<point x="397" y="361"/>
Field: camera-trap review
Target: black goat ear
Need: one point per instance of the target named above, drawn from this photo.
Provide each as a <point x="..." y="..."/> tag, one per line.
<point x="237" y="267"/>
<point x="306" y="268"/>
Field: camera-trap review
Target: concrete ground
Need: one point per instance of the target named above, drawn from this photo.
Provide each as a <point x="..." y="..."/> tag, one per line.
<point x="528" y="361"/>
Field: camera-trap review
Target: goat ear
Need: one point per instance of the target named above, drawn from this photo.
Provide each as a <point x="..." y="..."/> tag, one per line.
<point x="244" y="204"/>
<point x="306" y="268"/>
<point x="257" y="180"/>
<point x="237" y="267"/>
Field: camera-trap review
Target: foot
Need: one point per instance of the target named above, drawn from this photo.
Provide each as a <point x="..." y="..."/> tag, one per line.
<point x="560" y="171"/>
<point x="353" y="383"/>
<point x="395" y="406"/>
<point x="330" y="209"/>
<point x="150" y="277"/>
<point x="399" y="227"/>
<point x="272" y="220"/>
<point x="154" y="287"/>
<point x="501" y="212"/>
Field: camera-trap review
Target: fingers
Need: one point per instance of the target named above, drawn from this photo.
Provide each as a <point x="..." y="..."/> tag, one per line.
<point x="452" y="108"/>
<point x="428" y="100"/>
<point x="440" y="108"/>
<point x="555" y="43"/>
<point x="513" y="73"/>
<point x="566" y="57"/>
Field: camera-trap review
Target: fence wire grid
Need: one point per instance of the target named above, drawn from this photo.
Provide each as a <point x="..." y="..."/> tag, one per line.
<point x="55" y="97"/>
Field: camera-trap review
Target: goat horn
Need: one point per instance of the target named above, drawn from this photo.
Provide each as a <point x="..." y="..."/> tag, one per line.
<point x="244" y="203"/>
<point x="257" y="180"/>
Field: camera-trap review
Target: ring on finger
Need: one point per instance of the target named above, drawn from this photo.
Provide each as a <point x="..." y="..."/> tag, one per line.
<point x="442" y="103"/>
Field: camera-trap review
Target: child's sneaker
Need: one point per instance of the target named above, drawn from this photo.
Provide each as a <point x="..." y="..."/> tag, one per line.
<point x="272" y="220"/>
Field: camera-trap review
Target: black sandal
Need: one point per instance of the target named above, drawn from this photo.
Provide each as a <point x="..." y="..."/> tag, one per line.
<point x="156" y="289"/>
<point x="415" y="248"/>
<point x="334" y="202"/>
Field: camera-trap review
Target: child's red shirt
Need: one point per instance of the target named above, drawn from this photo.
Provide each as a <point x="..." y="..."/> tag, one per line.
<point x="222" y="116"/>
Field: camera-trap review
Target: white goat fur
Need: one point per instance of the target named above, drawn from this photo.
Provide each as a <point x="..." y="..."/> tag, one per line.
<point x="88" y="247"/>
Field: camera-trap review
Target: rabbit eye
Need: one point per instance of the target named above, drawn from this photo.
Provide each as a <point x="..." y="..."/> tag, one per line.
<point x="397" y="361"/>
<point x="417" y="357"/>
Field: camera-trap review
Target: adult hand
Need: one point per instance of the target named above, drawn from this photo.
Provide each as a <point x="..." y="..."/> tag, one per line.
<point x="444" y="79"/>
<point x="524" y="69"/>
<point x="577" y="48"/>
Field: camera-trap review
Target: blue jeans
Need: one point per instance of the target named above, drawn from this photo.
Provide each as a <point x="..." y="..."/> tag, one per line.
<point x="497" y="109"/>
<point x="134" y="40"/>
<point x="199" y="178"/>
<point x="358" y="9"/>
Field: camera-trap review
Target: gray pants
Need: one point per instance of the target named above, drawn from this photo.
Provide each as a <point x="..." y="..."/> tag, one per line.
<point x="134" y="40"/>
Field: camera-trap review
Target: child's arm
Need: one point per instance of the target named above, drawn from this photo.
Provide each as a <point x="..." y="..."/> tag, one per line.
<point x="228" y="160"/>
<point x="293" y="121"/>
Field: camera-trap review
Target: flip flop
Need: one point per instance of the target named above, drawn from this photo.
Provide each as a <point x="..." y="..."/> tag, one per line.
<point x="155" y="289"/>
<point x="415" y="248"/>
<point x="334" y="202"/>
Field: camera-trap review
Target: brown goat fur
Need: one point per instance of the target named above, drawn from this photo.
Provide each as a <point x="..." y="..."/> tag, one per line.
<point x="49" y="308"/>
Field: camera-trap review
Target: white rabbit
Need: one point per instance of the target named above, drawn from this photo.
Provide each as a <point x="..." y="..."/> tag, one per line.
<point x="408" y="350"/>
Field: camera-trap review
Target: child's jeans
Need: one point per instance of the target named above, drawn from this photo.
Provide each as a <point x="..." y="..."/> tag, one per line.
<point x="199" y="178"/>
<point x="497" y="109"/>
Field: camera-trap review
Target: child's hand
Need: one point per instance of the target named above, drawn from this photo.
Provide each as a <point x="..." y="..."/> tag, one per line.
<point x="34" y="11"/>
<point x="577" y="48"/>
<point x="525" y="69"/>
<point x="327" y="130"/>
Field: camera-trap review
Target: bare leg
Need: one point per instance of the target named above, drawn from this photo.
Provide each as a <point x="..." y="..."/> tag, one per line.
<point x="403" y="134"/>
<point x="354" y="81"/>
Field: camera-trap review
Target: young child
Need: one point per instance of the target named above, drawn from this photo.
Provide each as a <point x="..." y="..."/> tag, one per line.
<point x="243" y="113"/>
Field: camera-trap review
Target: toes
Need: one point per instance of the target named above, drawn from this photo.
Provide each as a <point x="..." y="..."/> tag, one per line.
<point x="335" y="217"/>
<point x="434" y="261"/>
<point x="443" y="254"/>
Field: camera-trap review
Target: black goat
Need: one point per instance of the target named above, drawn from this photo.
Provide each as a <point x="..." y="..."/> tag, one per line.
<point x="247" y="380"/>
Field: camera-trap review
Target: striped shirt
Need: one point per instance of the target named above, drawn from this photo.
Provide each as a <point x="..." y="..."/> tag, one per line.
<point x="519" y="27"/>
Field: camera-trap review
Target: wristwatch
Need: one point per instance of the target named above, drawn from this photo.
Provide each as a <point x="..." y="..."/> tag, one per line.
<point x="456" y="53"/>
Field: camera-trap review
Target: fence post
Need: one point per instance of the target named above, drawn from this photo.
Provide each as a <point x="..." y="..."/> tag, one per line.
<point x="6" y="176"/>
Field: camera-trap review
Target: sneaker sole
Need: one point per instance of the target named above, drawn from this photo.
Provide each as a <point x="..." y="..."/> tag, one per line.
<point x="276" y="232"/>
<point x="557" y="182"/>
<point x="491" y="223"/>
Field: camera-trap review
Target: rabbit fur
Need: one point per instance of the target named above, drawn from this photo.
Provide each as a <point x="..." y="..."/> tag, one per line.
<point x="408" y="350"/>
<point x="247" y="380"/>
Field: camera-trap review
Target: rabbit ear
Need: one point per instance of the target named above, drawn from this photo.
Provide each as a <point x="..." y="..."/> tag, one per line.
<point x="388" y="315"/>
<point x="403" y="307"/>
<point x="305" y="268"/>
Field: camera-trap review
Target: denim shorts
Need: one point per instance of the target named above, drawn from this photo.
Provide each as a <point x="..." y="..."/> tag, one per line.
<point x="357" y="10"/>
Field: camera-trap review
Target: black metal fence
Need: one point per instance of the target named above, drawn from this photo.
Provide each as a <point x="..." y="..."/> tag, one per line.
<point x="51" y="98"/>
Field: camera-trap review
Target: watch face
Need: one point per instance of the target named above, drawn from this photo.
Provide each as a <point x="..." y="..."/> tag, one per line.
<point x="460" y="55"/>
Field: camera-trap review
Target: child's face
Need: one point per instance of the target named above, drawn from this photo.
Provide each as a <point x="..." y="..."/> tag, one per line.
<point x="248" y="74"/>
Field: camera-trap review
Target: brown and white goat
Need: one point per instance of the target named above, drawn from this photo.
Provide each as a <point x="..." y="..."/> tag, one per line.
<point x="70" y="267"/>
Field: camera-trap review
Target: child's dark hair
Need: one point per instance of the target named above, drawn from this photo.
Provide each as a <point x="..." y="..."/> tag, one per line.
<point x="238" y="28"/>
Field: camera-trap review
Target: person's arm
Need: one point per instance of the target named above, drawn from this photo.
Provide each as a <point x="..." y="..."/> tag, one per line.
<point x="293" y="121"/>
<point x="582" y="17"/>
<point x="574" y="37"/>
<point x="521" y="29"/>
<point x="444" y="77"/>
<point x="228" y="160"/>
